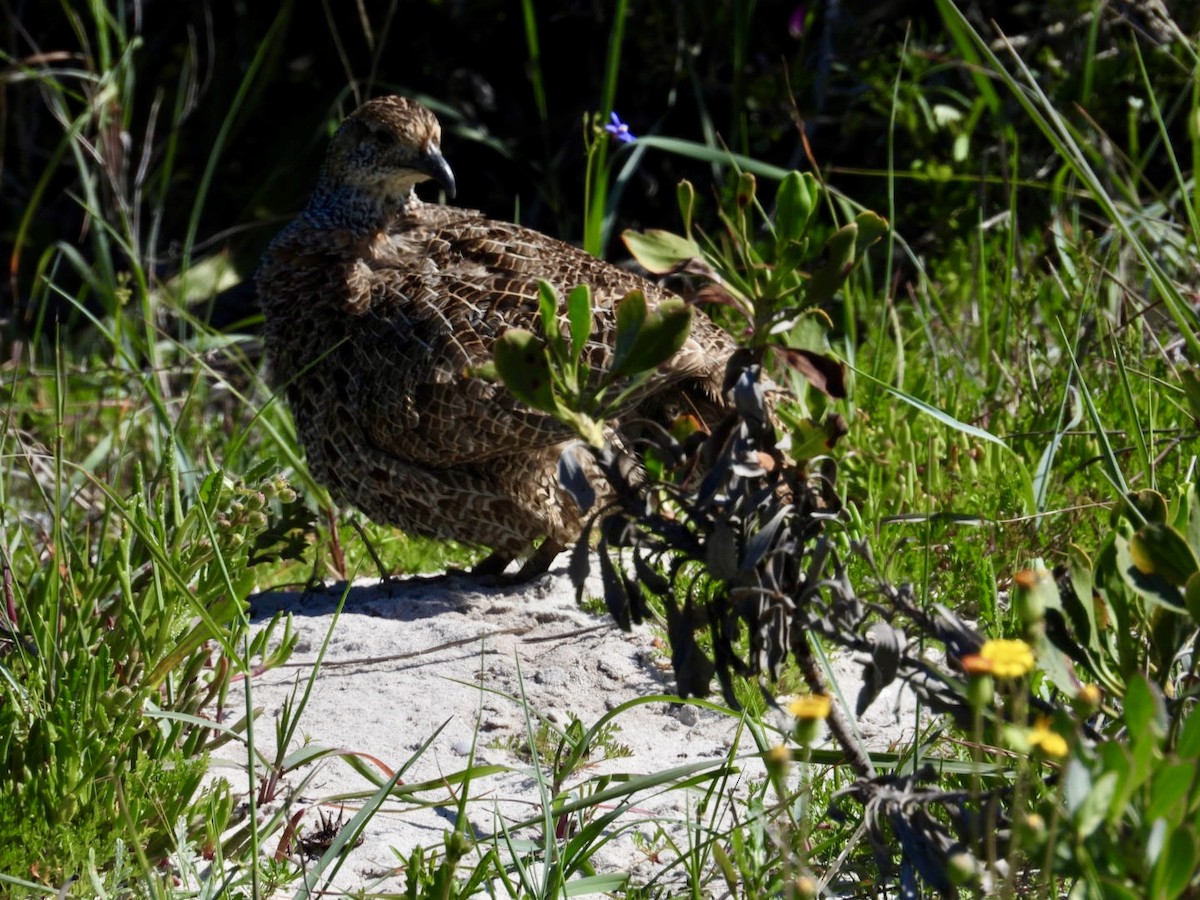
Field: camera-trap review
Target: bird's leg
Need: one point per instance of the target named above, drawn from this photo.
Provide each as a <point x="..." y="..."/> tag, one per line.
<point x="493" y="565"/>
<point x="539" y="561"/>
<point x="490" y="570"/>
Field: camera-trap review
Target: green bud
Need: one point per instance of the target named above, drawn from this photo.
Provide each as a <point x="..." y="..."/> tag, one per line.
<point x="807" y="731"/>
<point x="1033" y="589"/>
<point x="804" y="888"/>
<point x="981" y="690"/>
<point x="1033" y="828"/>
<point x="457" y="845"/>
<point x="962" y="868"/>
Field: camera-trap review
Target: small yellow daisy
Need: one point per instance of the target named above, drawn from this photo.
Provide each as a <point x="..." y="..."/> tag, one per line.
<point x="1051" y="743"/>
<point x="810" y="707"/>
<point x="1009" y="659"/>
<point x="1089" y="696"/>
<point x="779" y="755"/>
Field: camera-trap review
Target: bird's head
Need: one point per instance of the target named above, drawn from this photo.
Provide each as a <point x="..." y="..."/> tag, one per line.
<point x="381" y="151"/>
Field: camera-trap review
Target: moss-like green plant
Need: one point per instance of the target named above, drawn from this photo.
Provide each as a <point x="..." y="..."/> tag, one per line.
<point x="116" y="652"/>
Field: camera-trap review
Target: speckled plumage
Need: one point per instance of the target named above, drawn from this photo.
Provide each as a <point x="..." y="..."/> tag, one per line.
<point x="377" y="303"/>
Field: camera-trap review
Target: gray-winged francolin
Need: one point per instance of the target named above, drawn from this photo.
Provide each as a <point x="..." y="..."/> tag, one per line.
<point x="377" y="304"/>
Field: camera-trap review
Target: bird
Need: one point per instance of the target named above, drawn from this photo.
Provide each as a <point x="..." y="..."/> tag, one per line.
<point x="377" y="307"/>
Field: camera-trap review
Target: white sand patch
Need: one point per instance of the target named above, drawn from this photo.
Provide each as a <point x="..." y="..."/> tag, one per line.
<point x="406" y="658"/>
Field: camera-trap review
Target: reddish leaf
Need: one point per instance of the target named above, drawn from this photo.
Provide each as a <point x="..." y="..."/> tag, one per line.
<point x="719" y="296"/>
<point x="824" y="373"/>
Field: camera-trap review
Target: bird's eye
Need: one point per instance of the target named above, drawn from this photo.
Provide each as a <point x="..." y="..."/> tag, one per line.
<point x="385" y="137"/>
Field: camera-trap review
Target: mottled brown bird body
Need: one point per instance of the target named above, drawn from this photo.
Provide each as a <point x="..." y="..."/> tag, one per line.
<point x="377" y="304"/>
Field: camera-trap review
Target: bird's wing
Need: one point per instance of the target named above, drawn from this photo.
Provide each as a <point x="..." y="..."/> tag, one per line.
<point x="444" y="287"/>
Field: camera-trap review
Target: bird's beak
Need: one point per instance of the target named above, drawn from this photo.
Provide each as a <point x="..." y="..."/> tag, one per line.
<point x="433" y="164"/>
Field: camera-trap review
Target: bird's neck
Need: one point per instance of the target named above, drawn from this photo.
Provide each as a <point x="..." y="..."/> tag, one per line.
<point x="359" y="212"/>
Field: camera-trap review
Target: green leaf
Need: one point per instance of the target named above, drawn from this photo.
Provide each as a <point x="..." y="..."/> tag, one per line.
<point x="1145" y="710"/>
<point x="660" y="251"/>
<point x="631" y="313"/>
<point x="835" y="263"/>
<point x="485" y="370"/>
<point x="790" y="256"/>
<point x="944" y="417"/>
<point x="1191" y="390"/>
<point x="662" y="333"/>
<point x="1093" y="809"/>
<point x="811" y="438"/>
<point x="590" y="885"/>
<point x="1188" y="745"/>
<point x="726" y="866"/>
<point x="1143" y="758"/>
<point x="1150" y="587"/>
<point x="203" y="280"/>
<point x="1108" y="888"/>
<point x="584" y="426"/>
<point x="1076" y="785"/>
<point x="1117" y="760"/>
<point x="548" y="309"/>
<point x="1080" y="605"/>
<point x="1151" y="506"/>
<point x="685" y="193"/>
<point x="1116" y="598"/>
<point x="705" y="153"/>
<point x="210" y="488"/>
<point x="1159" y="549"/>
<point x="523" y="365"/>
<point x="1187" y="515"/>
<point x="1176" y="865"/>
<point x="871" y="227"/>
<point x="1169" y="791"/>
<point x="794" y="202"/>
<point x="579" y="313"/>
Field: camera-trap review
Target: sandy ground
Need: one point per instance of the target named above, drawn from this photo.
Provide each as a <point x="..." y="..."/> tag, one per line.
<point x="409" y="658"/>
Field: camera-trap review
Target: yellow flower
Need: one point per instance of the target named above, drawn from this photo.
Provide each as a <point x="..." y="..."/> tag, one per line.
<point x="779" y="755"/>
<point x="779" y="761"/>
<point x="804" y="888"/>
<point x="1009" y="659"/>
<point x="810" y="707"/>
<point x="1051" y="743"/>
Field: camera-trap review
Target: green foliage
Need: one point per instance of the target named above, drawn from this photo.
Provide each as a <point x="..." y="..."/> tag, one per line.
<point x="1037" y="329"/>
<point x="1125" y="819"/>
<point x="428" y="874"/>
<point x="144" y="618"/>
<point x="1132" y="609"/>
<point x="768" y="273"/>
<point x="551" y="374"/>
<point x="571" y="746"/>
<point x="759" y="279"/>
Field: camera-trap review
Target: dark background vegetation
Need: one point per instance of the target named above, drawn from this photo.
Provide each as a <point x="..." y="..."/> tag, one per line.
<point x="752" y="76"/>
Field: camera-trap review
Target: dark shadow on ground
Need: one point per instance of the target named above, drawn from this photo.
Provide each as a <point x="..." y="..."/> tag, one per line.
<point x="404" y="599"/>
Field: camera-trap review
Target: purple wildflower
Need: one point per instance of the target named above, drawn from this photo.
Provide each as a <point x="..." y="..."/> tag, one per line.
<point x="619" y="130"/>
<point x="796" y="22"/>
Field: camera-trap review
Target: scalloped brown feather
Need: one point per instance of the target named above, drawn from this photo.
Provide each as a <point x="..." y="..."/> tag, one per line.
<point x="377" y="303"/>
